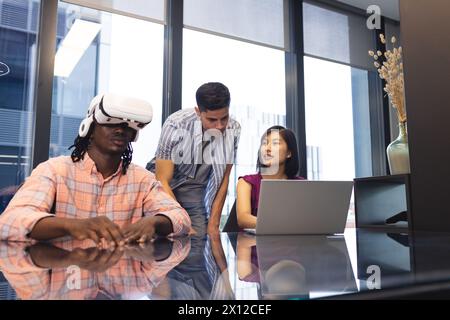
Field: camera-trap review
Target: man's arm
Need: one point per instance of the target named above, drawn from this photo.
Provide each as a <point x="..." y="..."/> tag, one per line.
<point x="217" y="251"/>
<point x="163" y="212"/>
<point x="224" y="289"/>
<point x="147" y="228"/>
<point x="219" y="200"/>
<point x="164" y="173"/>
<point x="28" y="280"/>
<point x="31" y="203"/>
<point x="96" y="228"/>
<point x="170" y="138"/>
<point x="49" y="228"/>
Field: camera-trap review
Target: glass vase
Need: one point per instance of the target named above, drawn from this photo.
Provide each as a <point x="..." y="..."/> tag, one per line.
<point x="398" y="152"/>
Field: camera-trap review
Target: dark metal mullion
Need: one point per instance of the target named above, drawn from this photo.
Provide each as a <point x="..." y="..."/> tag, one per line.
<point x="173" y="58"/>
<point x="385" y="101"/>
<point x="46" y="45"/>
<point x="295" y="90"/>
<point x="376" y="125"/>
<point x="379" y="114"/>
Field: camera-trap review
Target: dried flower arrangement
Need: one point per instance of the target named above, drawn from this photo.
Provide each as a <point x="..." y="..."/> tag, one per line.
<point x="391" y="70"/>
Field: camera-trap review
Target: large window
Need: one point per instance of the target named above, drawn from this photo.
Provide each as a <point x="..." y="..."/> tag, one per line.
<point x="101" y="52"/>
<point x="255" y="77"/>
<point x="337" y="85"/>
<point x="338" y="109"/>
<point x="329" y="120"/>
<point x="152" y="10"/>
<point x="338" y="122"/>
<point x="336" y="35"/>
<point x="18" y="34"/>
<point x="118" y="46"/>
<point x="260" y="21"/>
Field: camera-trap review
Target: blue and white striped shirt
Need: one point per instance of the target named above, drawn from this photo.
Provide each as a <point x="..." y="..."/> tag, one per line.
<point x="181" y="141"/>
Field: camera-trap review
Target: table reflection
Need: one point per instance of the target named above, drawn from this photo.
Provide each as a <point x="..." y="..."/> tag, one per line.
<point x="388" y="260"/>
<point x="204" y="274"/>
<point x="295" y="267"/>
<point x="230" y="266"/>
<point x="77" y="270"/>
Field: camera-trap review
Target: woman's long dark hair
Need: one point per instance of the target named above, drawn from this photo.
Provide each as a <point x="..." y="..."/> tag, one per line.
<point x="292" y="164"/>
<point x="81" y="145"/>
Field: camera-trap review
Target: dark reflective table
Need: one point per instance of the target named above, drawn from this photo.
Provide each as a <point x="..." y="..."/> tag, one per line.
<point x="234" y="266"/>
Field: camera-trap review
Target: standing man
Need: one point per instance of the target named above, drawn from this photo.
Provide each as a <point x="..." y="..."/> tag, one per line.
<point x="195" y="155"/>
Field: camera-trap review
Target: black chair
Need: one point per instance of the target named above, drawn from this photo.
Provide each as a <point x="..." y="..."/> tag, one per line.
<point x="232" y="227"/>
<point x="232" y="224"/>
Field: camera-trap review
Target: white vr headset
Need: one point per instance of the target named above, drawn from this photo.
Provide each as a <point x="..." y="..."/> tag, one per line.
<point x="114" y="109"/>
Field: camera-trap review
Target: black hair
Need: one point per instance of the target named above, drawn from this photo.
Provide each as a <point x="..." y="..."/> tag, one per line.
<point x="81" y="145"/>
<point x="292" y="164"/>
<point x="212" y="96"/>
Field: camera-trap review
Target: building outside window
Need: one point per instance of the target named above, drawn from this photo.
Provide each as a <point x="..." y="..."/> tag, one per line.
<point x="108" y="59"/>
<point x="18" y="36"/>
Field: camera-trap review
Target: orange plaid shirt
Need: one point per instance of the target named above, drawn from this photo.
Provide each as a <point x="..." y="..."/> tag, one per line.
<point x="80" y="191"/>
<point x="128" y="279"/>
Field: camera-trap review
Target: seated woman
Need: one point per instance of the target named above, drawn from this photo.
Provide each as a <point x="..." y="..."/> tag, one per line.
<point x="277" y="159"/>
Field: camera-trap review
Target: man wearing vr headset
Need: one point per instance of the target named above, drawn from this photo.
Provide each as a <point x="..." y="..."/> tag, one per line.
<point x="97" y="193"/>
<point x="195" y="154"/>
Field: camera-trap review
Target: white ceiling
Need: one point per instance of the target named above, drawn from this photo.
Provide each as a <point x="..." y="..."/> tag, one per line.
<point x="389" y="8"/>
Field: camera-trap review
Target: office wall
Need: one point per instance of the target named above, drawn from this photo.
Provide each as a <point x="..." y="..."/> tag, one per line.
<point x="425" y="31"/>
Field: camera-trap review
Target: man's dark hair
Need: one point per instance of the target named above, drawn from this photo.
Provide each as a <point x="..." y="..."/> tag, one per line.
<point x="81" y="145"/>
<point x="212" y="96"/>
<point x="292" y="164"/>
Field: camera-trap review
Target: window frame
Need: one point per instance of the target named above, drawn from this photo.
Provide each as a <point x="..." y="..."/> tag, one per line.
<point x="172" y="78"/>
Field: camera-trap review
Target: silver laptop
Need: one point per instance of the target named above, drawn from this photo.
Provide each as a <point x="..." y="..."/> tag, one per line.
<point x="303" y="207"/>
